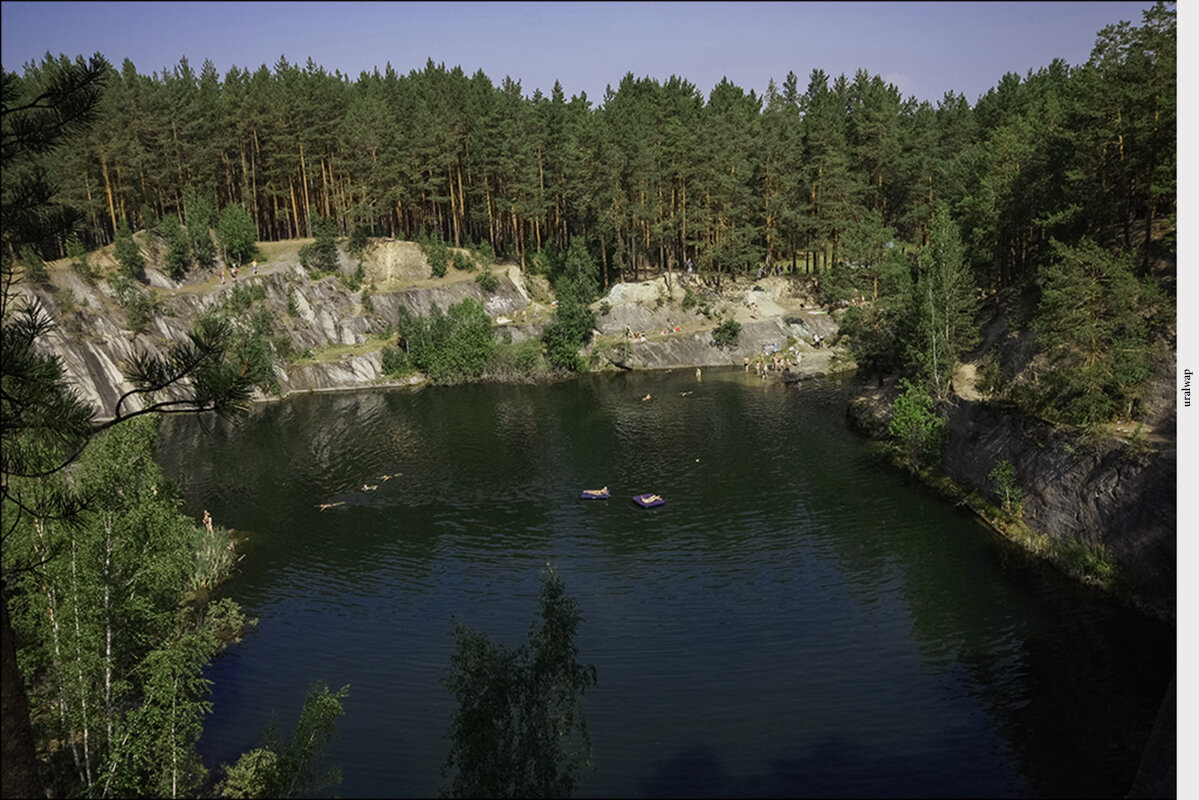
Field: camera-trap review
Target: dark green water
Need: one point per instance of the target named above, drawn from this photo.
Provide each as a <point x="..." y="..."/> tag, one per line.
<point x="797" y="620"/>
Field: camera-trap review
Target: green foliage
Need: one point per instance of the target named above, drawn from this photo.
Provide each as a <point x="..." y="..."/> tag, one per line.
<point x="944" y="305"/>
<point x="990" y="376"/>
<point x="689" y="300"/>
<point x="251" y="345"/>
<point x="35" y="267"/>
<point x="487" y="279"/>
<point x="1139" y="447"/>
<point x="215" y="557"/>
<point x="549" y="262"/>
<point x="528" y="355"/>
<point x="484" y="254"/>
<point x="1095" y="321"/>
<point x="864" y="253"/>
<point x="1088" y="562"/>
<point x="570" y="328"/>
<point x="126" y="673"/>
<point x="1003" y="480"/>
<point x="917" y="432"/>
<point x="437" y="255"/>
<point x="659" y="172"/>
<point x="237" y="234"/>
<point x="284" y="348"/>
<point x="321" y="255"/>
<point x="518" y="730"/>
<point x="256" y="774"/>
<point x="178" y="249"/>
<point x="396" y="362"/>
<point x="877" y="331"/>
<point x="516" y="361"/>
<point x="463" y="261"/>
<point x="359" y="236"/>
<point x="42" y="118"/>
<point x="353" y="281"/>
<point x="141" y="306"/>
<point x="448" y="347"/>
<point x="65" y="300"/>
<point x="726" y="333"/>
<point x="100" y="548"/>
<point x="128" y="254"/>
<point x="580" y="268"/>
<point x="78" y="255"/>
<point x="242" y="295"/>
<point x="201" y="215"/>
<point x="288" y="769"/>
<point x="368" y="305"/>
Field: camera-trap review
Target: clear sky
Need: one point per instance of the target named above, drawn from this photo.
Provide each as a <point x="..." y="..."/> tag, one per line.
<point x="924" y="48"/>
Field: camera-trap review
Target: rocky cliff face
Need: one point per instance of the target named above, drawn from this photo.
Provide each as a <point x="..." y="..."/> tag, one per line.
<point x="770" y="315"/>
<point x="96" y="343"/>
<point x="1100" y="492"/>
<point x="1109" y="491"/>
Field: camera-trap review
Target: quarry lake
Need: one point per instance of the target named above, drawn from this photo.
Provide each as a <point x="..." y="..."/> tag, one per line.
<point x="798" y="618"/>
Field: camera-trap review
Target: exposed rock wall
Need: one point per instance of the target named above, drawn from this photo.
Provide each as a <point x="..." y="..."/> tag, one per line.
<point x="1100" y="492"/>
<point x="96" y="344"/>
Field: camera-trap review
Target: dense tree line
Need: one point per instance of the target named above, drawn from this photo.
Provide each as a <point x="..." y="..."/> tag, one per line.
<point x="106" y="617"/>
<point x="654" y="174"/>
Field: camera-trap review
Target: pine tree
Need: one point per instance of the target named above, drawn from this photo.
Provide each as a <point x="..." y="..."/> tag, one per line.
<point x="1093" y="319"/>
<point x="237" y="235"/>
<point x="945" y="305"/>
<point x="128" y="254"/>
<point x="177" y="254"/>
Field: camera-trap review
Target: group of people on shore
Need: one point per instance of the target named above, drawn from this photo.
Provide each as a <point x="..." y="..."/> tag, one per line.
<point x="765" y="363"/>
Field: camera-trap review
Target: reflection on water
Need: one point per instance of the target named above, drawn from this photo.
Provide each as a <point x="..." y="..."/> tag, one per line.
<point x="798" y="619"/>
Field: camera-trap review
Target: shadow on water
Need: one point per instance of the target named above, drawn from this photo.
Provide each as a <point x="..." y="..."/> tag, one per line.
<point x="833" y="767"/>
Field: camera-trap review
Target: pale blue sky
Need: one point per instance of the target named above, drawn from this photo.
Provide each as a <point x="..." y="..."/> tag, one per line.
<point x="925" y="48"/>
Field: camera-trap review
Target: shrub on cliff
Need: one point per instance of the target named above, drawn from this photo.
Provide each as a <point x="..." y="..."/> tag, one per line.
<point x="571" y="327"/>
<point x="438" y="255"/>
<point x="726" y="333"/>
<point x="200" y="215"/>
<point x="487" y="280"/>
<point x="237" y="234"/>
<point x="917" y="432"/>
<point x="321" y="255"/>
<point x="128" y="254"/>
<point x="1003" y="480"/>
<point x="450" y="346"/>
<point x="35" y="267"/>
<point x="178" y="250"/>
<point x="78" y="255"/>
